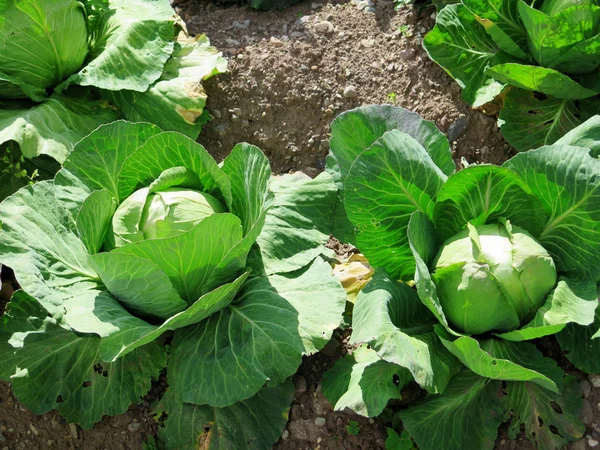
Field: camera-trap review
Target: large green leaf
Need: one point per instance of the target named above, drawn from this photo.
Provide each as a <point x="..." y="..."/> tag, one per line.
<point x="461" y="46"/>
<point x="54" y="126"/>
<point x="501" y="360"/>
<point x="481" y="194"/>
<point x="466" y="415"/>
<point x="585" y="135"/>
<point x="43" y="41"/>
<point x="176" y="101"/>
<point x="260" y="337"/>
<point x="41" y="245"/>
<point x="390" y="318"/>
<point x="356" y="130"/>
<point x="500" y="18"/>
<point x="364" y="382"/>
<point x="386" y="184"/>
<point x="551" y="37"/>
<point x="530" y="120"/>
<point x="540" y="79"/>
<point x="298" y="225"/>
<point x="574" y="300"/>
<point x="94" y="219"/>
<point x="550" y="420"/>
<point x="52" y="367"/>
<point x="130" y="46"/>
<point x="582" y="345"/>
<point x="97" y="160"/>
<point x="196" y="261"/>
<point x="567" y="181"/>
<point x="252" y="424"/>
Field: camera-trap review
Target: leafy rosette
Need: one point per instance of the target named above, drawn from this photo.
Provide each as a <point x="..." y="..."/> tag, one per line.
<point x="143" y="240"/>
<point x="539" y="59"/>
<point x="68" y="66"/>
<point x="469" y="268"/>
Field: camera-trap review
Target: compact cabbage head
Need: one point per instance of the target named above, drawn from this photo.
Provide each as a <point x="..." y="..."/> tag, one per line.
<point x="492" y="278"/>
<point x="150" y="215"/>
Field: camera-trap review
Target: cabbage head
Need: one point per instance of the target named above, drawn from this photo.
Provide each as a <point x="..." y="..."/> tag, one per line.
<point x="472" y="268"/>
<point x="144" y="254"/>
<point x="68" y="66"/>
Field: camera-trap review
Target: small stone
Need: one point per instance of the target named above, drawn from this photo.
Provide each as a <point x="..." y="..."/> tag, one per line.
<point x="285" y="434"/>
<point x="73" y="431"/>
<point x="407" y="54"/>
<point x="586" y="413"/>
<point x="33" y="429"/>
<point x="233" y="42"/>
<point x="367" y="43"/>
<point x="433" y="15"/>
<point x="592" y="443"/>
<point x="296" y="34"/>
<point x="594" y="379"/>
<point x="276" y="42"/>
<point x="458" y="128"/>
<point x="295" y="412"/>
<point x="391" y="67"/>
<point x="586" y="388"/>
<point x="122" y="420"/>
<point x="134" y="426"/>
<point x="370" y="10"/>
<point x="243" y="24"/>
<point x="314" y="5"/>
<point x="324" y="27"/>
<point x="320" y="421"/>
<point x="350" y="92"/>
<point x="301" y="384"/>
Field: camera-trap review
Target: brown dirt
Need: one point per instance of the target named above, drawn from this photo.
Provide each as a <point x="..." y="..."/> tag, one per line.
<point x="285" y="85"/>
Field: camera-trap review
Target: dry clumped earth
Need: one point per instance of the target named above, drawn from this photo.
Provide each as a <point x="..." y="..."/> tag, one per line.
<point x="291" y="73"/>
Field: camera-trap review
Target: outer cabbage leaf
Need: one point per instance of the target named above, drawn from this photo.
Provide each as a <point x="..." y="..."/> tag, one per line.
<point x="52" y="367"/>
<point x="176" y="100"/>
<point x="461" y="46"/>
<point x="364" y="382"/>
<point x="567" y="181"/>
<point x="581" y="344"/>
<point x="253" y="424"/>
<point x="258" y="338"/>
<point x="130" y="45"/>
<point x="386" y="184"/>
<point x="585" y="135"/>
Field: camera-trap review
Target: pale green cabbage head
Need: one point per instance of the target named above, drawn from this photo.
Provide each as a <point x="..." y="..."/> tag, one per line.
<point x="169" y="212"/>
<point x="492" y="278"/>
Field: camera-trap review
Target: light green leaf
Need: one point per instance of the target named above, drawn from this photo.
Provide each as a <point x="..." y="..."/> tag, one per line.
<point x="298" y="225"/>
<point x="93" y="219"/>
<point x="356" y="130"/>
<point x="43" y="41"/>
<point x="41" y="245"/>
<point x="460" y="45"/>
<point x="363" y="382"/>
<point x="581" y="345"/>
<point x="386" y="184"/>
<point x="260" y="337"/>
<point x="252" y="424"/>
<point x="56" y="368"/>
<point x="53" y="127"/>
<point x="530" y="120"/>
<point x="466" y="415"/>
<point x="501" y="360"/>
<point x="567" y="181"/>
<point x="585" y="135"/>
<point x="176" y="101"/>
<point x="572" y="301"/>
<point x="138" y="284"/>
<point x="390" y="318"/>
<point x="501" y="21"/>
<point x="129" y="47"/>
<point x="196" y="261"/>
<point x="165" y="151"/>
<point x="481" y="194"/>
<point x="535" y="409"/>
<point x="551" y="37"/>
<point x="97" y="160"/>
<point x="540" y="79"/>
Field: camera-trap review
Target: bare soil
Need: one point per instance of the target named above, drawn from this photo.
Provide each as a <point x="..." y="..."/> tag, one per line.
<point x="290" y="73"/>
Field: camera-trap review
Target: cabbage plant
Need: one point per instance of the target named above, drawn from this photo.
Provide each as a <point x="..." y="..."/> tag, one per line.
<point x="144" y="254"/>
<point x="538" y="60"/>
<point x="68" y="66"/>
<point x="470" y="268"/>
